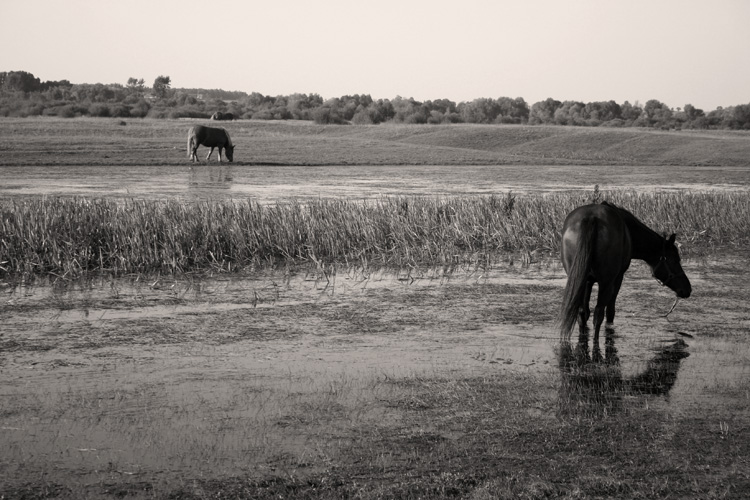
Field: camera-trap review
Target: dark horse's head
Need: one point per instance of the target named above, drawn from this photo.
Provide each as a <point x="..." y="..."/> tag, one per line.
<point x="668" y="270"/>
<point x="229" y="150"/>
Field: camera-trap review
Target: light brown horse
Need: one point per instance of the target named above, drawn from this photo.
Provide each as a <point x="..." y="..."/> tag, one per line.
<point x="598" y="242"/>
<point x="211" y="138"/>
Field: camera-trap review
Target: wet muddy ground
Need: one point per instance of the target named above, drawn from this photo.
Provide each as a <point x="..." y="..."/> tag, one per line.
<point x="146" y="386"/>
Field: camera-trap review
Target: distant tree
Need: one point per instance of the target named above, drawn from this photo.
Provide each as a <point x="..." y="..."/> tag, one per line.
<point x="443" y="106"/>
<point x="693" y="113"/>
<point x="740" y="117"/>
<point x="602" y="111"/>
<point x="512" y="110"/>
<point x="482" y="110"/>
<point x="135" y="85"/>
<point x="22" y="81"/>
<point x="570" y="113"/>
<point x="657" y="114"/>
<point x="384" y="109"/>
<point x="409" y="111"/>
<point x="161" y="86"/>
<point x="691" y="117"/>
<point x="51" y="84"/>
<point x="543" y="112"/>
<point x="140" y="109"/>
<point x="630" y="112"/>
<point x="301" y="105"/>
<point x="362" y="117"/>
<point x="325" y="115"/>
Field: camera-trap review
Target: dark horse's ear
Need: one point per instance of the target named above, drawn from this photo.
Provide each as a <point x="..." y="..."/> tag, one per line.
<point x="671" y="239"/>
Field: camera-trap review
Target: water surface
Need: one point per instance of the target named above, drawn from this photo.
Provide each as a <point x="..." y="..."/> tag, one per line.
<point x="266" y="184"/>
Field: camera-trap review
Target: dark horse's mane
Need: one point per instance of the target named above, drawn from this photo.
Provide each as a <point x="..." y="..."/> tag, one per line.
<point x="633" y="223"/>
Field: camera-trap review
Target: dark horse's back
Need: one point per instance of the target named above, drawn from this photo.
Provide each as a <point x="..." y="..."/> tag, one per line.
<point x="608" y="228"/>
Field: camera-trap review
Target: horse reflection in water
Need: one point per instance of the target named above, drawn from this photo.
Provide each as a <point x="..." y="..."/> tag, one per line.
<point x="210" y="181"/>
<point x="593" y="385"/>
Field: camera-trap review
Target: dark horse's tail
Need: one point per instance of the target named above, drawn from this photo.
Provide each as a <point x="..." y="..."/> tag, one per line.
<point x="575" y="288"/>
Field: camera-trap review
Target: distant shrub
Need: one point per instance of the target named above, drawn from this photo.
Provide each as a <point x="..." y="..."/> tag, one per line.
<point x="119" y="111"/>
<point x="187" y="112"/>
<point x="262" y="115"/>
<point x="32" y="109"/>
<point x="362" y="117"/>
<point x="327" y="116"/>
<point x="140" y="109"/>
<point x="436" y="117"/>
<point x="67" y="111"/>
<point x="617" y="123"/>
<point x="157" y="113"/>
<point x="99" y="109"/>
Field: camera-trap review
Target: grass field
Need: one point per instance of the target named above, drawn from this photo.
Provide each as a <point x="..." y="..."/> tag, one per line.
<point x="87" y="141"/>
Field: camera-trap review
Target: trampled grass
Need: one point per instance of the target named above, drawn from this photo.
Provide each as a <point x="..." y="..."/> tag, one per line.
<point x="69" y="237"/>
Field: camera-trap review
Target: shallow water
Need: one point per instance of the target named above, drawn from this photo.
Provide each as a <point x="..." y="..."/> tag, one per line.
<point x="126" y="378"/>
<point x="266" y="184"/>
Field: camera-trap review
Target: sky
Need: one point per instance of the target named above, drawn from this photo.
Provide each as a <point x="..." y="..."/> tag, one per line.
<point x="677" y="51"/>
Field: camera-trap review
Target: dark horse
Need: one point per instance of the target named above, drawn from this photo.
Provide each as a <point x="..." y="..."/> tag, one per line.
<point x="211" y="138"/>
<point x="598" y="242"/>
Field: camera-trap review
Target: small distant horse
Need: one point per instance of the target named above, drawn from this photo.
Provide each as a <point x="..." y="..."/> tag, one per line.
<point x="211" y="138"/>
<point x="598" y="242"/>
<point x="219" y="116"/>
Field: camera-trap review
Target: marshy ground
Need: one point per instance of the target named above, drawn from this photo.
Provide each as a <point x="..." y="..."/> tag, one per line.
<point x="401" y="384"/>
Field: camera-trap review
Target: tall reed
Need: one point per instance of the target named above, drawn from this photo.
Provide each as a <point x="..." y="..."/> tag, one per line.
<point x="72" y="236"/>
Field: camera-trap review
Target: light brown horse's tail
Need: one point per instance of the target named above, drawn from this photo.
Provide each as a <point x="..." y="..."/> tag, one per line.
<point x="575" y="288"/>
<point x="191" y="136"/>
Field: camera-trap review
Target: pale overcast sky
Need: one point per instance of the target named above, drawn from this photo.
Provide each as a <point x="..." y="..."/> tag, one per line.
<point x="677" y="51"/>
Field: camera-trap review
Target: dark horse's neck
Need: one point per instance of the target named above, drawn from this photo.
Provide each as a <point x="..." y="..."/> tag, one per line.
<point x="647" y="244"/>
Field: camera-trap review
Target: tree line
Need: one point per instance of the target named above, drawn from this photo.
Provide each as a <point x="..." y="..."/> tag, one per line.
<point x="22" y="94"/>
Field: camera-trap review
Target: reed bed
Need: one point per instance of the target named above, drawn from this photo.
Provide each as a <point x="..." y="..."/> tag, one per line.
<point x="69" y="237"/>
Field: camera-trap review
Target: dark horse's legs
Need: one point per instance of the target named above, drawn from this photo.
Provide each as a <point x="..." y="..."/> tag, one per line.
<point x="611" y="306"/>
<point x="606" y="302"/>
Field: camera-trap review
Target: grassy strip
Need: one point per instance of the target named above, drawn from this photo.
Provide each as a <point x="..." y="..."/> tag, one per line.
<point x="71" y="237"/>
<point x="141" y="142"/>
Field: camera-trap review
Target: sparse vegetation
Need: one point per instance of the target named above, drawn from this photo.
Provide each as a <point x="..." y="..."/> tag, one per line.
<point x="70" y="237"/>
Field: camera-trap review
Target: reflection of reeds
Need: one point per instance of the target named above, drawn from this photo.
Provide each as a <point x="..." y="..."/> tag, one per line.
<point x="69" y="237"/>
